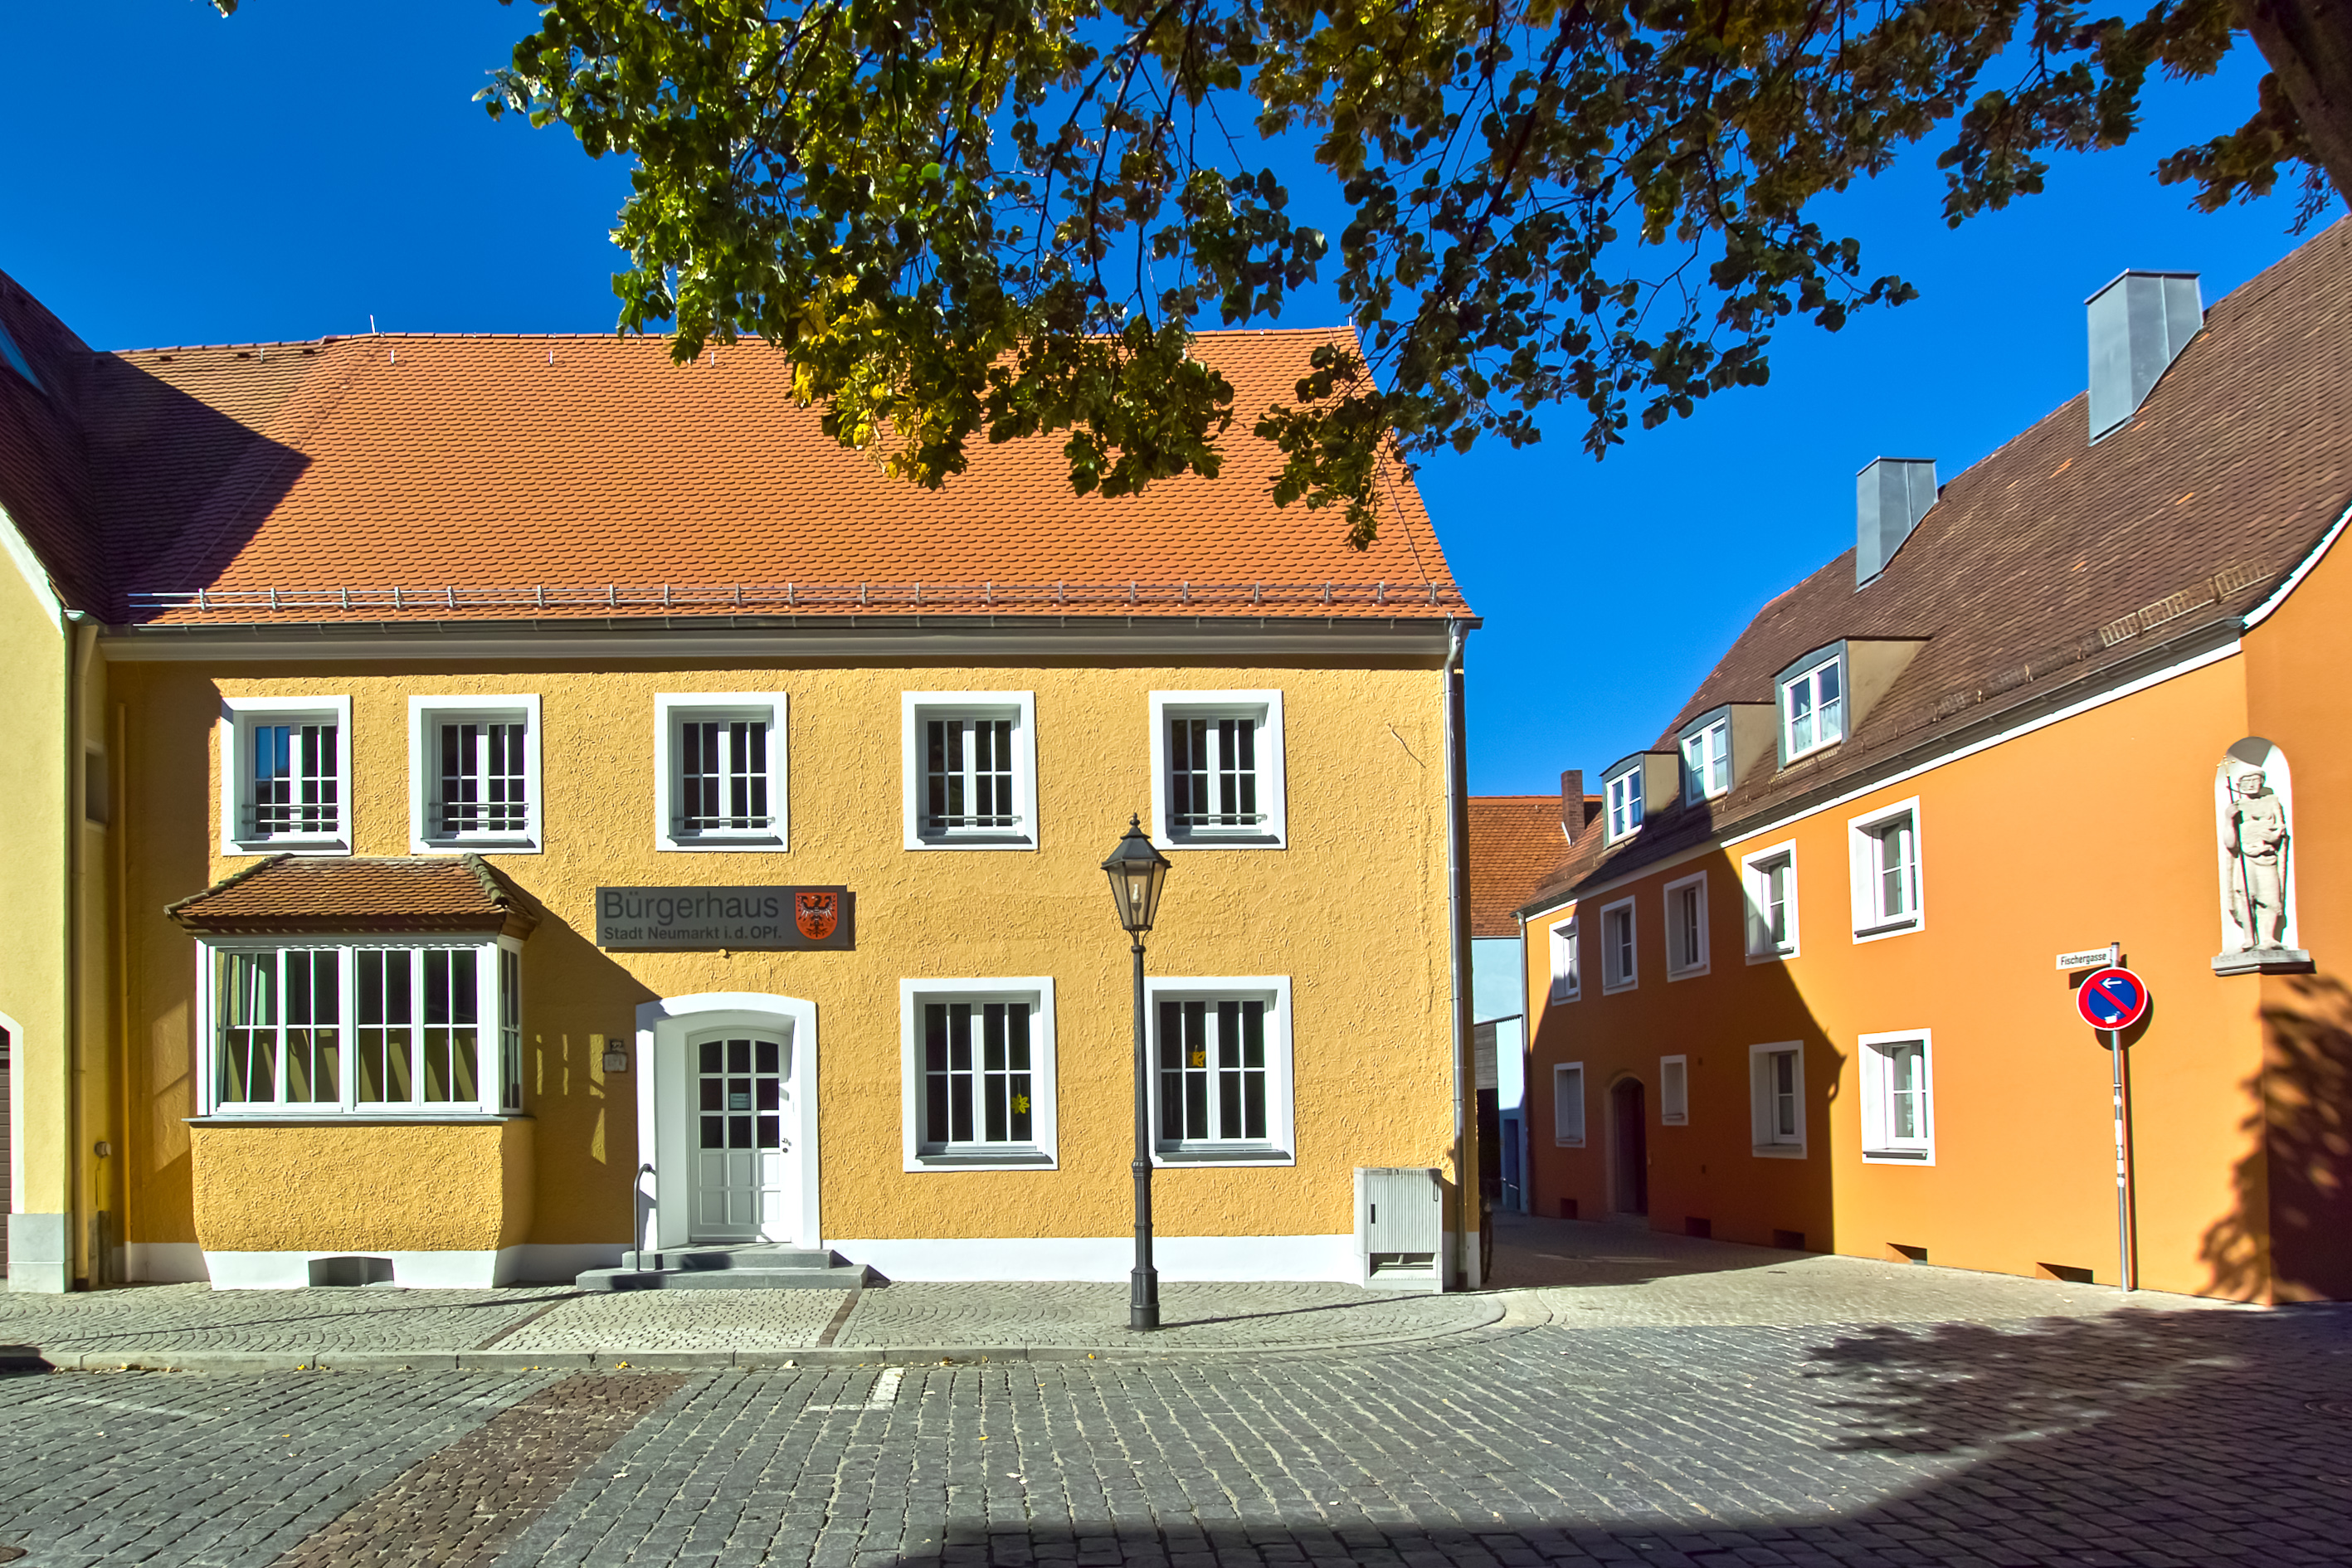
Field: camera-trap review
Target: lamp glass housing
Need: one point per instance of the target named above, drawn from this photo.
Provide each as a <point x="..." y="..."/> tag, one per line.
<point x="1137" y="871"/>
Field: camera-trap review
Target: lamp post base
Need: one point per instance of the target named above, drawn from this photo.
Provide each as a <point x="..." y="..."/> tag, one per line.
<point x="1143" y="1299"/>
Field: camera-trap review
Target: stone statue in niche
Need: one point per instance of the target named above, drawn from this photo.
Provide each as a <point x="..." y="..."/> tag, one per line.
<point x="2254" y="805"/>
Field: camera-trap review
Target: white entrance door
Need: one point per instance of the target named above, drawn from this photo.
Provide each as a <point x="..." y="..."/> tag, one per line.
<point x="746" y="1172"/>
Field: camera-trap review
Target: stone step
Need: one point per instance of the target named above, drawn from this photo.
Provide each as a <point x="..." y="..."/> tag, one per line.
<point x="848" y="1276"/>
<point x="753" y="1256"/>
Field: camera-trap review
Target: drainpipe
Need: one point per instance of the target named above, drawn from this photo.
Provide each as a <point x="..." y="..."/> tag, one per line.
<point x="81" y="642"/>
<point x="1463" y="1265"/>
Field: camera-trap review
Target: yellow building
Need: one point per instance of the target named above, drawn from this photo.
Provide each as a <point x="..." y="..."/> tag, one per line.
<point x="484" y="807"/>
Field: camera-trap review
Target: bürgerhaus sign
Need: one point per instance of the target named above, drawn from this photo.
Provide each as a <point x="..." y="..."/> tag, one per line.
<point x="657" y="919"/>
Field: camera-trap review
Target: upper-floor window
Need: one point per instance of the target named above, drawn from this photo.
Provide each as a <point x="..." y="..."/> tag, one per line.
<point x="1888" y="895"/>
<point x="1706" y="762"/>
<point x="284" y="774"/>
<point x="334" y="1026"/>
<point x="1220" y="1085"/>
<point x="720" y="775"/>
<point x="1567" y="981"/>
<point x="1813" y="709"/>
<point x="1625" y="798"/>
<point x="971" y="766"/>
<point x="474" y="773"/>
<point x="1686" y="953"/>
<point x="1217" y="770"/>
<point x="1619" y="969"/>
<point x="1770" y="879"/>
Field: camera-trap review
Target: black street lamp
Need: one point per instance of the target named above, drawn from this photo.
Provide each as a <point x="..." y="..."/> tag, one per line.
<point x="1136" y="871"/>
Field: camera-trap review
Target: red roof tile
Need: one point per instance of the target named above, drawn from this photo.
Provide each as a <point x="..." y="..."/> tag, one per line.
<point x="286" y="894"/>
<point x="1514" y="841"/>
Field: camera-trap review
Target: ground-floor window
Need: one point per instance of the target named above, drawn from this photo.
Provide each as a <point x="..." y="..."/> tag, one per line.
<point x="1221" y="1070"/>
<point x="1897" y="1112"/>
<point x="331" y="1026"/>
<point x="1776" y="1087"/>
<point x="978" y="1070"/>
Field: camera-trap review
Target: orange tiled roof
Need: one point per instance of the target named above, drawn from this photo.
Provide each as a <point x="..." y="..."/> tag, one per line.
<point x="423" y="477"/>
<point x="283" y="893"/>
<point x="1514" y="843"/>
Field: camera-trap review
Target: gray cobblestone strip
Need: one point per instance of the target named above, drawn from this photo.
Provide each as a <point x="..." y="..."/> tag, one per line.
<point x="463" y="1504"/>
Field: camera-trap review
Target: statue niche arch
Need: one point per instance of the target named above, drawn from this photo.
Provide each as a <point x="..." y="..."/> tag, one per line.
<point x="2254" y="816"/>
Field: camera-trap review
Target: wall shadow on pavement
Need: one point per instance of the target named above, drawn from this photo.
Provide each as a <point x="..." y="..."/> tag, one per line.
<point x="1534" y="1252"/>
<point x="2294" y="1183"/>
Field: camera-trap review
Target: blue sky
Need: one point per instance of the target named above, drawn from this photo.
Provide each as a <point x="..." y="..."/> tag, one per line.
<point x="297" y="169"/>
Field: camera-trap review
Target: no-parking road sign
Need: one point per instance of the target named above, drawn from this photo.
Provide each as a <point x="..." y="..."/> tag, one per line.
<point x="2112" y="998"/>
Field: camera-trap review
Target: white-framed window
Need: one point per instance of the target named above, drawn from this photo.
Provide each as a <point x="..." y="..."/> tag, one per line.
<point x="977" y="1070"/>
<point x="1673" y="1091"/>
<point x="1568" y="1105"/>
<point x="286" y="775"/>
<point x="1813" y="709"/>
<point x="719" y="770"/>
<point x="1567" y="973"/>
<point x="1686" y="948"/>
<point x="969" y="760"/>
<point x="342" y="1026"/>
<point x="473" y="775"/>
<point x="1777" y="1094"/>
<point x="1623" y="795"/>
<point x="1898" y="1113"/>
<point x="1706" y="762"/>
<point x="1221" y="1070"/>
<point x="1217" y="771"/>
<point x="1889" y="898"/>
<point x="1620" y="965"/>
<point x="1768" y="883"/>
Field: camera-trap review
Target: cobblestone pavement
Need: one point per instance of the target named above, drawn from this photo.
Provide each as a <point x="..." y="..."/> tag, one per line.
<point x="2132" y="1436"/>
<point x="174" y="1317"/>
<point x="1190" y="1315"/>
<point x="683" y="1320"/>
<point x="1606" y="1275"/>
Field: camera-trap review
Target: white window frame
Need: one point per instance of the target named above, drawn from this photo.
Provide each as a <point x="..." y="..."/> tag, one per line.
<point x="497" y="1030"/>
<point x="1566" y="963"/>
<point x="1715" y="743"/>
<point x="1879" y="1146"/>
<point x="1263" y="706"/>
<point x="1622" y="802"/>
<point x="238" y="718"/>
<point x="1567" y="1131"/>
<point x="1043" y="1151"/>
<point x="1754" y="870"/>
<point x="425" y="717"/>
<point x="1682" y="965"/>
<point x="674" y="710"/>
<point x="1871" y="923"/>
<point x="1811" y="676"/>
<point x="1673" y="1091"/>
<point x="1611" y="981"/>
<point x="1280" y="1146"/>
<point x="916" y="709"/>
<point x="1770" y="1143"/>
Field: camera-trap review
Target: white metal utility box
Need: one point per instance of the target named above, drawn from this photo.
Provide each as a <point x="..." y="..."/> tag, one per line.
<point x="1400" y="1228"/>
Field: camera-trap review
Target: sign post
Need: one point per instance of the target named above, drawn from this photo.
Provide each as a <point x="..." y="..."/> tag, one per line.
<point x="2111" y="999"/>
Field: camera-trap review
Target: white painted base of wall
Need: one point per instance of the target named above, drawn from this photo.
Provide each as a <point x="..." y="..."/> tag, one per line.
<point x="164" y="1263"/>
<point x="415" y="1270"/>
<point x="1110" y="1258"/>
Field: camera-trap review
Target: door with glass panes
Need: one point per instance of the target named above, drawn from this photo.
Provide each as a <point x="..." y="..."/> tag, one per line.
<point x="742" y="1127"/>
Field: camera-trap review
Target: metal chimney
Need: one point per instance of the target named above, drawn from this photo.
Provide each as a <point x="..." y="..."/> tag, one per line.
<point x="2139" y="324"/>
<point x="1890" y="495"/>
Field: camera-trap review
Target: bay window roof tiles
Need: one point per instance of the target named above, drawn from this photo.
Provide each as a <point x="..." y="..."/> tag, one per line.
<point x="359" y="895"/>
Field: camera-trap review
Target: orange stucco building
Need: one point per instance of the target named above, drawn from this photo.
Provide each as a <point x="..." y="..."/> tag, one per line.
<point x="1801" y="982"/>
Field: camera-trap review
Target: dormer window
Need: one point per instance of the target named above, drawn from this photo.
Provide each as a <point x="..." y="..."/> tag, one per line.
<point x="1813" y="709"/>
<point x="13" y="358"/>
<point x="1706" y="762"/>
<point x="1624" y="794"/>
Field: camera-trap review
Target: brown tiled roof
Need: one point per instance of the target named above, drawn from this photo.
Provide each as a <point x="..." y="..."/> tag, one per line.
<point x="2054" y="565"/>
<point x="1515" y="840"/>
<point x="431" y="477"/>
<point x="323" y="894"/>
<point x="43" y="469"/>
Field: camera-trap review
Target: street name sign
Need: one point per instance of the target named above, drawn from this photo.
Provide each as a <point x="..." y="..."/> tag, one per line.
<point x="2089" y="958"/>
<point x="653" y="920"/>
<point x="2112" y="999"/>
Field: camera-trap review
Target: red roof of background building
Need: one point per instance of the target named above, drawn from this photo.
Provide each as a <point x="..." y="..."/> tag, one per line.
<point x="1515" y="842"/>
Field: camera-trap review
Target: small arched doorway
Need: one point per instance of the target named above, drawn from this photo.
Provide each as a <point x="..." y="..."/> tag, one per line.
<point x="1629" y="1148"/>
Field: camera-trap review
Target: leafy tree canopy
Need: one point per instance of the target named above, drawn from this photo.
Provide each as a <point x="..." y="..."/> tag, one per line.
<point x="997" y="218"/>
